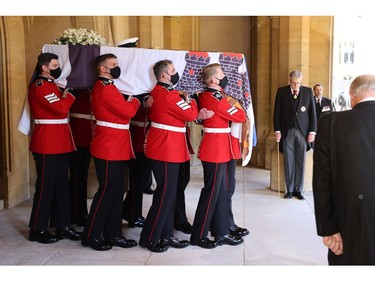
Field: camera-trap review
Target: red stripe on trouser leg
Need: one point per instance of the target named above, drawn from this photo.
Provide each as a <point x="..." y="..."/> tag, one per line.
<point x="209" y="202"/>
<point x="162" y="201"/>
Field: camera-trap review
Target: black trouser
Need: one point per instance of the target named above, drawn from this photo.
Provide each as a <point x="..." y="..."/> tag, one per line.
<point x="51" y="196"/>
<point x="139" y="174"/>
<point x="231" y="172"/>
<point x="183" y="180"/>
<point x="159" y="220"/>
<point x="294" y="147"/>
<point x="79" y="172"/>
<point x="105" y="217"/>
<point x="212" y="209"/>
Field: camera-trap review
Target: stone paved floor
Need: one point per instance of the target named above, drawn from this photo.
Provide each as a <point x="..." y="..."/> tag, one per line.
<point x="282" y="233"/>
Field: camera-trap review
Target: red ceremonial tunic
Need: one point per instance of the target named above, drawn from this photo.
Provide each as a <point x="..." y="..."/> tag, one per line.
<point x="109" y="105"/>
<point x="169" y="109"/>
<point x="217" y="147"/>
<point x="81" y="118"/>
<point x="48" y="105"/>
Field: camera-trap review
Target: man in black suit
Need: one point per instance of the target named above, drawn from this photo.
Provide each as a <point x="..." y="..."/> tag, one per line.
<point x="295" y="123"/>
<point x="343" y="178"/>
<point x="323" y="105"/>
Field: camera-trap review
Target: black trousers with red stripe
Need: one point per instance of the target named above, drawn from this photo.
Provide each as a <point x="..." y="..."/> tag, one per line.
<point x="79" y="172"/>
<point x="105" y="217"/>
<point x="139" y="174"/>
<point x="159" y="220"/>
<point x="212" y="210"/>
<point x="51" y="191"/>
<point x="183" y="180"/>
<point x="231" y="172"/>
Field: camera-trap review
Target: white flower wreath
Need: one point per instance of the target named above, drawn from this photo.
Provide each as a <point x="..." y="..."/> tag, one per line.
<point x="80" y="36"/>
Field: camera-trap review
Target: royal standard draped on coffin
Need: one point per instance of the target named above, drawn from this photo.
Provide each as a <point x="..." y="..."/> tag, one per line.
<point x="78" y="71"/>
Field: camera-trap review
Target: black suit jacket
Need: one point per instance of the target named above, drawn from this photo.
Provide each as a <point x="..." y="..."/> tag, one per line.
<point x="344" y="181"/>
<point x="326" y="107"/>
<point x="286" y="116"/>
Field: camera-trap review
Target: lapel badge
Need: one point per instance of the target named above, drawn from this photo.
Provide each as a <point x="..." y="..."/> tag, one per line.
<point x="303" y="109"/>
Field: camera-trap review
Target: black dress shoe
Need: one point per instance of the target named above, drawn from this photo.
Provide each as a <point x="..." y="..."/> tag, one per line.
<point x="43" y="237"/>
<point x="156" y="247"/>
<point x="138" y="222"/>
<point x="228" y="240"/>
<point x="203" y="242"/>
<point x="148" y="190"/>
<point x="288" y="195"/>
<point x="175" y="243"/>
<point x="69" y="233"/>
<point x="122" y="242"/>
<point x="96" y="244"/>
<point x="185" y="227"/>
<point x="299" y="195"/>
<point x="235" y="230"/>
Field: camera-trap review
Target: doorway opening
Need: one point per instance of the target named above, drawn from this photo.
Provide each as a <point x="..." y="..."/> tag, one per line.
<point x="353" y="55"/>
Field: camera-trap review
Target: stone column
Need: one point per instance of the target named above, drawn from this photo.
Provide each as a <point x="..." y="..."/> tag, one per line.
<point x="119" y="28"/>
<point x="151" y="32"/>
<point x="172" y="28"/>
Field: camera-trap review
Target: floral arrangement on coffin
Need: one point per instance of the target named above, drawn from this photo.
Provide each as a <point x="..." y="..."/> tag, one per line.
<point x="80" y="36"/>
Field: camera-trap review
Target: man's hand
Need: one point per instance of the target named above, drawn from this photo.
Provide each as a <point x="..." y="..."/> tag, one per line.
<point x="205" y="114"/>
<point x="311" y="138"/>
<point x="148" y="101"/>
<point x="278" y="136"/>
<point x="70" y="91"/>
<point x="334" y="243"/>
<point x="138" y="97"/>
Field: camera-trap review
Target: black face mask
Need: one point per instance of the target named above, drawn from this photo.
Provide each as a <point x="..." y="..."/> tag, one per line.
<point x="55" y="73"/>
<point x="223" y="82"/>
<point x="175" y="78"/>
<point x="115" y="72"/>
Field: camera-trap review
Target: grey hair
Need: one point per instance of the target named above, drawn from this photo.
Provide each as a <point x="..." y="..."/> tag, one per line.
<point x="362" y="84"/>
<point x="295" y="74"/>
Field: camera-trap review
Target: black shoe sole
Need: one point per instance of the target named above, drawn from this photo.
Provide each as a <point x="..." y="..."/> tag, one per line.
<point x="233" y="233"/>
<point x="204" y="246"/>
<point x="51" y="241"/>
<point x="87" y="244"/>
<point x="151" y="249"/>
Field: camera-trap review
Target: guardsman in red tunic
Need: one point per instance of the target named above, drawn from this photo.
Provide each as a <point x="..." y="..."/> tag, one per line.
<point x="139" y="168"/>
<point x="111" y="149"/>
<point x="166" y="147"/>
<point x="181" y="222"/>
<point x="82" y="123"/>
<point x="51" y="143"/>
<point x="215" y="151"/>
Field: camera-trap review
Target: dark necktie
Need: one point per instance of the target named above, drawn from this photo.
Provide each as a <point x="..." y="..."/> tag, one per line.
<point x="295" y="94"/>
